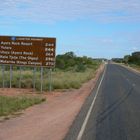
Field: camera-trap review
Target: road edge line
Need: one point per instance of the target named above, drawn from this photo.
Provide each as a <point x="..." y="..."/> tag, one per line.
<point x="80" y="134"/>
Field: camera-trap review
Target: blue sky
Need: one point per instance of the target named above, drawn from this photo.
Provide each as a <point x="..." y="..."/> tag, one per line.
<point x="95" y="28"/>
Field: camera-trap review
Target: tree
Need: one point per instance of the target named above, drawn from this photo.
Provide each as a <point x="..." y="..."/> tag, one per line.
<point x="60" y="63"/>
<point x="69" y="55"/>
<point x="69" y="61"/>
<point x="126" y="58"/>
<point x="135" y="58"/>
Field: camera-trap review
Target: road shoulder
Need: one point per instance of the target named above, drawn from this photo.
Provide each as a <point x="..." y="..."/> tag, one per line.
<point x="50" y="120"/>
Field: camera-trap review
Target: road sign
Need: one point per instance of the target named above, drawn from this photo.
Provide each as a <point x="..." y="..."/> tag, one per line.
<point x="27" y="51"/>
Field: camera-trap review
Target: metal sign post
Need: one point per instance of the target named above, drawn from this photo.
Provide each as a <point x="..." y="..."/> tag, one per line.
<point x="11" y="76"/>
<point x="34" y="78"/>
<point x="50" y="80"/>
<point x="41" y="84"/>
<point x="3" y="72"/>
<point x="20" y="77"/>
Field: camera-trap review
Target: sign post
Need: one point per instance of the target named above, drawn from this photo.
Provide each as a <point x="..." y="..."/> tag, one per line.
<point x="3" y="72"/>
<point x="34" y="78"/>
<point x="27" y="51"/>
<point x="20" y="70"/>
<point x="41" y="83"/>
<point x="50" y="80"/>
<point x="11" y="75"/>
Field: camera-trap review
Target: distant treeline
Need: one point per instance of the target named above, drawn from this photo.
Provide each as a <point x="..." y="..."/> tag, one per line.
<point x="69" y="61"/>
<point x="134" y="58"/>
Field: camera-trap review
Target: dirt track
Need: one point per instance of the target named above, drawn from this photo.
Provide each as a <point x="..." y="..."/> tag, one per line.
<point x="50" y="120"/>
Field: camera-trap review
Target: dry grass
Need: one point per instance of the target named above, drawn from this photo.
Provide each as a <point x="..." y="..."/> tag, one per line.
<point x="60" y="79"/>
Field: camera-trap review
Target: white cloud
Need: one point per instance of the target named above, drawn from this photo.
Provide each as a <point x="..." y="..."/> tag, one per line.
<point x="135" y="49"/>
<point x="57" y="10"/>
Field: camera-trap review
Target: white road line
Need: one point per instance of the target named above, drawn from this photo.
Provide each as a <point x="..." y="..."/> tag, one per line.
<point x="79" y="137"/>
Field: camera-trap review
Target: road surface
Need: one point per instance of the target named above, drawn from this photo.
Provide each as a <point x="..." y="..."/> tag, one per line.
<point x="112" y="111"/>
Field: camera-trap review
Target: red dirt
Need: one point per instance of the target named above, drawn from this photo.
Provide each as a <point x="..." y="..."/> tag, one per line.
<point x="50" y="120"/>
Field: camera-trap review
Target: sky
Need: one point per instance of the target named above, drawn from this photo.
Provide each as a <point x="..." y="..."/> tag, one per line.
<point x="93" y="28"/>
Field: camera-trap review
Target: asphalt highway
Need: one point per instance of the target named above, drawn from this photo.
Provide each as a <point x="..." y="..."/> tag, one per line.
<point x="112" y="111"/>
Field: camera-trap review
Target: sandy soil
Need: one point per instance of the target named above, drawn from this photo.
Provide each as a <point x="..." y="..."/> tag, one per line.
<point x="50" y="120"/>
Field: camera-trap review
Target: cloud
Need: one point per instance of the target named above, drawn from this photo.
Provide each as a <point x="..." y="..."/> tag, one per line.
<point x="59" y="10"/>
<point x="135" y="49"/>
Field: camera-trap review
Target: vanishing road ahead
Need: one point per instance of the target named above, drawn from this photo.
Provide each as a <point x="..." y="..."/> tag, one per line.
<point x="115" y="110"/>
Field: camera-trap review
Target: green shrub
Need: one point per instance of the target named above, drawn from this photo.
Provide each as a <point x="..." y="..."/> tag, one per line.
<point x="80" y="68"/>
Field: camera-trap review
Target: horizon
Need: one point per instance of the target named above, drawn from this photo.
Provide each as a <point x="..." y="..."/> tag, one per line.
<point x="97" y="29"/>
